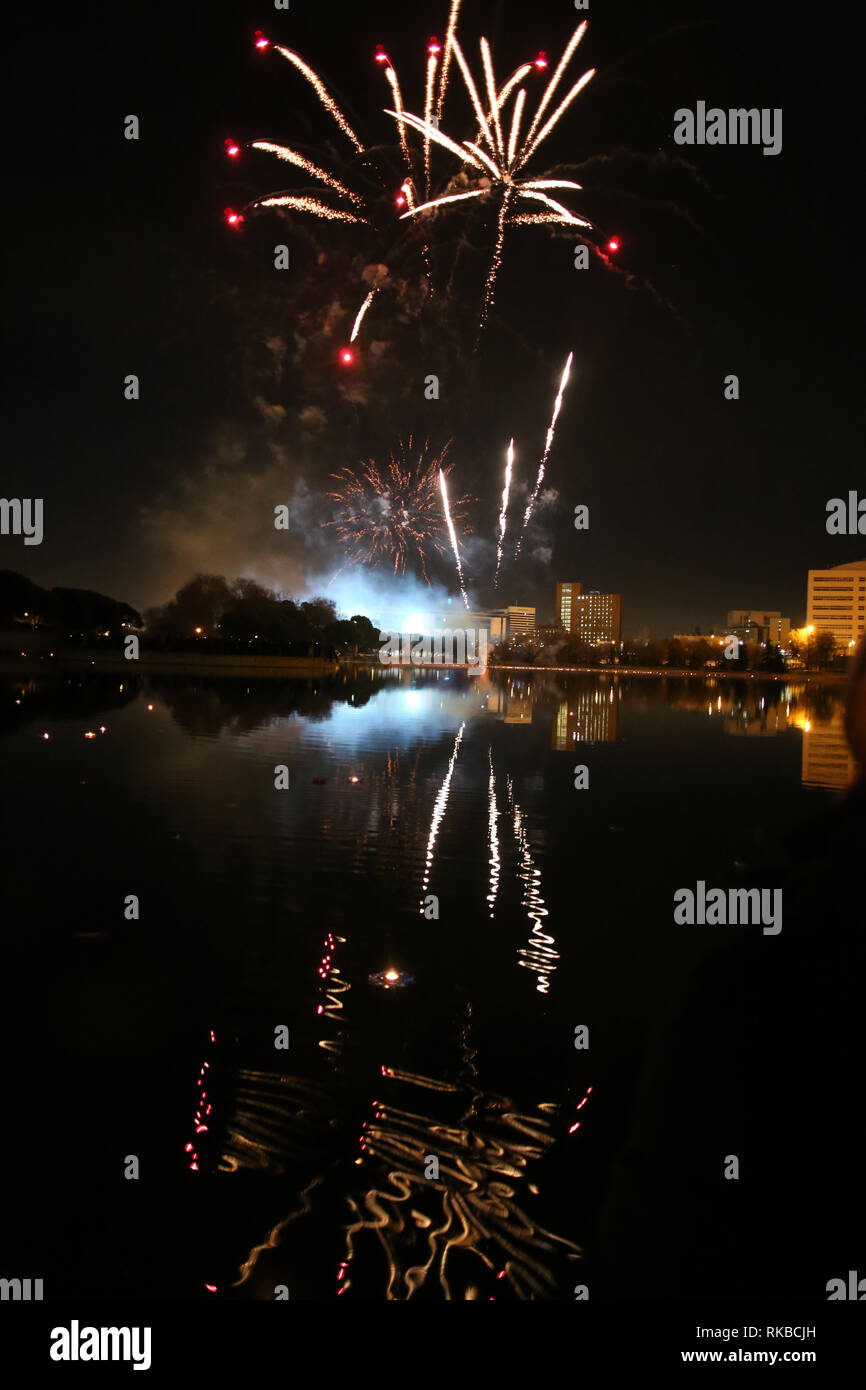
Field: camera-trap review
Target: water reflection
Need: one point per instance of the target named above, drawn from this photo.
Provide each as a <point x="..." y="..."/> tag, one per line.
<point x="434" y="1200"/>
<point x="404" y="786"/>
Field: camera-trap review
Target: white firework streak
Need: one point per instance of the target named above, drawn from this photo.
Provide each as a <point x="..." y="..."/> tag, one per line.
<point x="438" y="812"/>
<point x="361" y="312"/>
<point x="547" y="445"/>
<point x="394" y="83"/>
<point x="452" y="533"/>
<point x="555" y="79"/>
<point x="492" y="836"/>
<point x="504" y="511"/>
<point x="291" y="156"/>
<point x="322" y="93"/>
<point x="446" y="56"/>
<point x="428" y="112"/>
<point x="311" y="205"/>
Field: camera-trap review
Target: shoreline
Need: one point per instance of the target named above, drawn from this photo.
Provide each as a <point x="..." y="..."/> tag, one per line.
<point x="227" y="664"/>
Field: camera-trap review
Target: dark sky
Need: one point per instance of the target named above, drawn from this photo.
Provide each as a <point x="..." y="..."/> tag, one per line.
<point x="119" y="261"/>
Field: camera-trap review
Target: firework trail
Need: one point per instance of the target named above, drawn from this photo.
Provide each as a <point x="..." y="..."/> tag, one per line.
<point x="361" y="312"/>
<point x="504" y="510"/>
<point x="322" y="93"/>
<point x="496" y="163"/>
<point x="446" y="57"/>
<point x="547" y="446"/>
<point x="393" y="514"/>
<point x="453" y="534"/>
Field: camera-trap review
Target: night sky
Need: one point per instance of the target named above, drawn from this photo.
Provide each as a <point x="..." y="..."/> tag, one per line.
<point x="731" y="261"/>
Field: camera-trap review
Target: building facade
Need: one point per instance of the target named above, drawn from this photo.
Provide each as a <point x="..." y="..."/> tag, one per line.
<point x="565" y="595"/>
<point x="836" y="602"/>
<point x="593" y="618"/>
<point x="756" y="625"/>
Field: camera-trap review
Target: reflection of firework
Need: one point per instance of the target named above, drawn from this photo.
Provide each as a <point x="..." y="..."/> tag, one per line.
<point x="395" y="514"/>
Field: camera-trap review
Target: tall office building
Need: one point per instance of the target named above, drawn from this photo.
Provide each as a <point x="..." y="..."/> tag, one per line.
<point x="837" y="602"/>
<point x="565" y="594"/>
<point x="592" y="617"/>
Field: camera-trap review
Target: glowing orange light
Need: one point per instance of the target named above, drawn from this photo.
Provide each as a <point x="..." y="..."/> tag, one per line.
<point x="392" y="975"/>
<point x="354" y="779"/>
<point x="46" y="735"/>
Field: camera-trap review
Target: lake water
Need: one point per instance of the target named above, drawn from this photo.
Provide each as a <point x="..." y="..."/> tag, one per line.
<point x="431" y="828"/>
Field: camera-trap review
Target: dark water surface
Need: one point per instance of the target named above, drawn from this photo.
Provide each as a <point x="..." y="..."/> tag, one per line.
<point x="262" y="908"/>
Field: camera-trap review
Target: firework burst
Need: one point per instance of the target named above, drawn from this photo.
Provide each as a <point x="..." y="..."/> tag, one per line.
<point x="496" y="159"/>
<point x="370" y="186"/>
<point x="398" y="514"/>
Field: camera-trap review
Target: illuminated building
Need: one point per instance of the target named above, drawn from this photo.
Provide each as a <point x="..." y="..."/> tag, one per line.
<point x="837" y="602"/>
<point x="596" y="618"/>
<point x="519" y="620"/>
<point x="565" y="594"/>
<point x="754" y="625"/>
<point x="500" y="624"/>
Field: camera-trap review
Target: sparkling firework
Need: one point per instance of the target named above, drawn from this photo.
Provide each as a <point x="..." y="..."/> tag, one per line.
<point x="495" y="161"/>
<point x="509" y="464"/>
<point x="359" y="192"/>
<point x="452" y="533"/>
<point x="395" y="514"/>
<point x="530" y="506"/>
